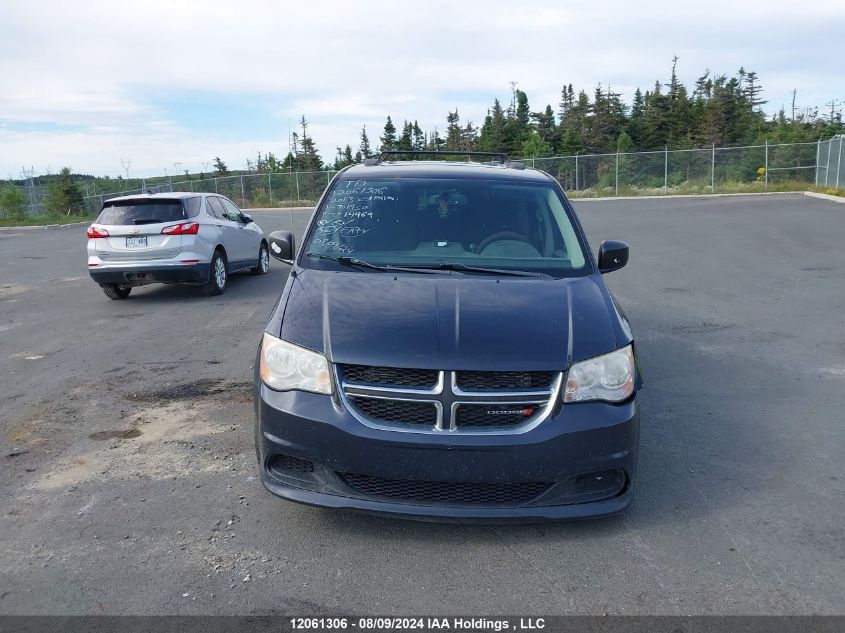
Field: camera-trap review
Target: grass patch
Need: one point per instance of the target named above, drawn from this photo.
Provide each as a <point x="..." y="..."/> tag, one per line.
<point x="44" y="220"/>
<point x="265" y="203"/>
<point x="691" y="188"/>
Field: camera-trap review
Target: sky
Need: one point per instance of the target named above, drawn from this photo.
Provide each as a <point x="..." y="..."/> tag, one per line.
<point x="161" y="86"/>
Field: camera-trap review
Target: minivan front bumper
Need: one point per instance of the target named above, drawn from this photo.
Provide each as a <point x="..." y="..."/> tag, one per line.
<point x="581" y="461"/>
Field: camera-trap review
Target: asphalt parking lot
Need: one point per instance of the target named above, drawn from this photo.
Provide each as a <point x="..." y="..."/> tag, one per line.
<point x="129" y="478"/>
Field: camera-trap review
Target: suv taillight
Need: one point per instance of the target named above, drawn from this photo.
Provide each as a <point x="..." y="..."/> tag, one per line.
<point x="94" y="232"/>
<point x="186" y="228"/>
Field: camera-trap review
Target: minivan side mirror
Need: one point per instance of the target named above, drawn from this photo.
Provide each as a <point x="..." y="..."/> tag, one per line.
<point x="613" y="255"/>
<point x="282" y="246"/>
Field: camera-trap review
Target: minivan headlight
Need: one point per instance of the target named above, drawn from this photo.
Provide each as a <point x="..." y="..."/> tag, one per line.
<point x="285" y="366"/>
<point x="609" y="377"/>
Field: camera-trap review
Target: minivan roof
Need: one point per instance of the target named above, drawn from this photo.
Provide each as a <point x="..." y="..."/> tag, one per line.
<point x="444" y="169"/>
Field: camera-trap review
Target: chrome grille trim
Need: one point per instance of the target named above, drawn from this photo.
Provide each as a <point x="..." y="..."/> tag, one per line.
<point x="446" y="396"/>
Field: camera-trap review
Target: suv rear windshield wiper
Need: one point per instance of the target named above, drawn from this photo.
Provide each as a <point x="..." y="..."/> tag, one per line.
<point x="354" y="261"/>
<point x="487" y="271"/>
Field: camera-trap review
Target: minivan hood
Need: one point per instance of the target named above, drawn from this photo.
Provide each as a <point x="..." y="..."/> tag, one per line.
<point x="457" y="321"/>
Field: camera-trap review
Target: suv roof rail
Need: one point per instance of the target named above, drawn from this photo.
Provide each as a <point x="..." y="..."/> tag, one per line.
<point x="499" y="157"/>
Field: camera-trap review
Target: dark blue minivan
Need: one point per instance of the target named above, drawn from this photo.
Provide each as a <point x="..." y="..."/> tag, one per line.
<point x="446" y="348"/>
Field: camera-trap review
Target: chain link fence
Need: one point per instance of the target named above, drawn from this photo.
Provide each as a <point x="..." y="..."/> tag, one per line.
<point x="829" y="158"/>
<point x="683" y="171"/>
<point x="625" y="173"/>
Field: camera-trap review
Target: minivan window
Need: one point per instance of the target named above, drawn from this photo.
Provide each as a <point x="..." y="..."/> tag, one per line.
<point x="481" y="223"/>
<point x="153" y="211"/>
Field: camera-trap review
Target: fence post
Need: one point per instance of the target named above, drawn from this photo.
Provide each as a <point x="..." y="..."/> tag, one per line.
<point x="270" y="186"/>
<point x="243" y="194"/>
<point x="215" y="186"/>
<point x="576" y="171"/>
<point x="296" y="175"/>
<point x="713" y="168"/>
<point x="617" y="171"/>
<point x="766" y="167"/>
<point x="818" y="157"/>
<point x="827" y="166"/>
<point x="665" y="170"/>
<point x="192" y="185"/>
<point x="839" y="161"/>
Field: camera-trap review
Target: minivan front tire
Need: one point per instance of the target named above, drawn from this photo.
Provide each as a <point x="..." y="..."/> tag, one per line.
<point x="116" y="291"/>
<point x="218" y="276"/>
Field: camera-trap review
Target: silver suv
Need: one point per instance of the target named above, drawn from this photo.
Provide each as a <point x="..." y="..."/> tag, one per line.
<point x="173" y="238"/>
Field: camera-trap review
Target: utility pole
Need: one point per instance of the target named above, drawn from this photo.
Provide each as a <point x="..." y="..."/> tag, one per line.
<point x="794" y="92"/>
<point x="833" y="103"/>
<point x="177" y="166"/>
<point x="126" y="165"/>
<point x="27" y="175"/>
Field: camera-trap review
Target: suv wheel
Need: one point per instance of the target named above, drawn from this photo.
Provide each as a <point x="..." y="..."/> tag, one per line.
<point x="219" y="275"/>
<point x="263" y="261"/>
<point x="116" y="291"/>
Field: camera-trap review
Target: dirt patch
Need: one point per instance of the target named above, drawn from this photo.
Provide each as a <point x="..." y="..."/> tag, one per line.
<point x="703" y="327"/>
<point x="10" y="290"/>
<point x="234" y="391"/>
<point x="124" y="434"/>
<point x="170" y="440"/>
<point x="27" y="356"/>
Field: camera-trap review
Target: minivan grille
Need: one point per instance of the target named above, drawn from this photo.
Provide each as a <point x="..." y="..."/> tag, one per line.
<point x="417" y="378"/>
<point x="503" y="380"/>
<point x="430" y="401"/>
<point x="457" y="492"/>
<point x="397" y="411"/>
<point x="492" y="415"/>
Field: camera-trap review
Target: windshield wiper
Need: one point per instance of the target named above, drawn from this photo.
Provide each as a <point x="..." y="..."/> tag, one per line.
<point x="487" y="271"/>
<point x="147" y="221"/>
<point x="345" y="260"/>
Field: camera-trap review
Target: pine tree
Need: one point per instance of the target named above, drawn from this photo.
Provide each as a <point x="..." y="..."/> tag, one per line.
<point x="63" y="196"/>
<point x="308" y="159"/>
<point x="388" y="138"/>
<point x="406" y="140"/>
<point x="517" y="124"/>
<point x="364" y="147"/>
<point x="492" y="137"/>
<point x="544" y="123"/>
<point x="454" y="135"/>
<point x="418" y="137"/>
<point x="220" y="168"/>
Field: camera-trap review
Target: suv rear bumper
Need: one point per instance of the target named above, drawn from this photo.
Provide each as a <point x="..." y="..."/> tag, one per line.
<point x="141" y="275"/>
<point x="572" y="445"/>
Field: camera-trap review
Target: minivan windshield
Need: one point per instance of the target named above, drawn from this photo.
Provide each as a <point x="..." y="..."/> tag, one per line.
<point x="478" y="223"/>
<point x="124" y="212"/>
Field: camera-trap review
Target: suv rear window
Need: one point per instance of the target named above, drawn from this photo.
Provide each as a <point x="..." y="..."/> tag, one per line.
<point x="123" y="212"/>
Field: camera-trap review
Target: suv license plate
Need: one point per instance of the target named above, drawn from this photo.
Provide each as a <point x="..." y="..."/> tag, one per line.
<point x="136" y="242"/>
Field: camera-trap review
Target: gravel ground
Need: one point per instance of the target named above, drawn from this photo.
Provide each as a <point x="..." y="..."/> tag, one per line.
<point x="129" y="479"/>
